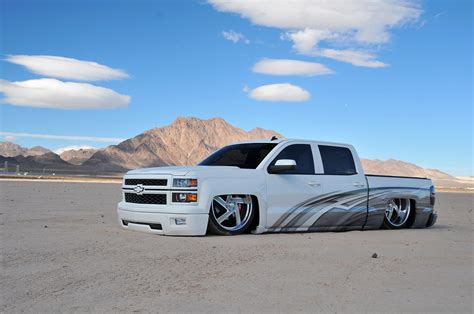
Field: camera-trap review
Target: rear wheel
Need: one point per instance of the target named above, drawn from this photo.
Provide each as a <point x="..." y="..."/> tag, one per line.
<point x="231" y="214"/>
<point x="397" y="213"/>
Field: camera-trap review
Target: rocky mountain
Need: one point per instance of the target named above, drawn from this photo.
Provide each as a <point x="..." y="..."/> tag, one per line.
<point x="77" y="156"/>
<point x="37" y="151"/>
<point x="184" y="142"/>
<point x="9" y="149"/>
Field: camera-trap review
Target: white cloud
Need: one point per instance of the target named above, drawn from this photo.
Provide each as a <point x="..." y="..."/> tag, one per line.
<point x="235" y="37"/>
<point x="65" y="137"/>
<point x="10" y="138"/>
<point x="305" y="42"/>
<point x="279" y="92"/>
<point x="52" y="93"/>
<point x="61" y="150"/>
<point x="355" y="57"/>
<point x="317" y="26"/>
<point x="290" y="67"/>
<point x="67" y="68"/>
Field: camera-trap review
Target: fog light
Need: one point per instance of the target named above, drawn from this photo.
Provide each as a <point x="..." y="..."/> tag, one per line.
<point x="180" y="221"/>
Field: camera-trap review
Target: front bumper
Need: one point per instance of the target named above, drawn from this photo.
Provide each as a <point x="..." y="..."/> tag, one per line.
<point x="162" y="221"/>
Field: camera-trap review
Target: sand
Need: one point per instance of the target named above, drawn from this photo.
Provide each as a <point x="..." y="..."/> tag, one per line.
<point x="62" y="251"/>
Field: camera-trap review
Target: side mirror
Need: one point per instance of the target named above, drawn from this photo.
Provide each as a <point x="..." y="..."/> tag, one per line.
<point x="282" y="165"/>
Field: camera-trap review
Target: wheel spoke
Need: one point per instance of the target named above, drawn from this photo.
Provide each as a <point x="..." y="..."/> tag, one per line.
<point x="397" y="209"/>
<point x="237" y="215"/>
<point x="221" y="202"/>
<point x="224" y="216"/>
<point x="390" y="212"/>
<point x="404" y="212"/>
<point x="391" y="207"/>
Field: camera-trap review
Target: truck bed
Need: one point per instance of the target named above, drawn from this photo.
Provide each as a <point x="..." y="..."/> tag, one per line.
<point x="383" y="188"/>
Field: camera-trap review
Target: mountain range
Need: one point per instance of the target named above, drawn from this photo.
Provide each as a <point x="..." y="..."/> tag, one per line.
<point x="184" y="142"/>
<point x="9" y="149"/>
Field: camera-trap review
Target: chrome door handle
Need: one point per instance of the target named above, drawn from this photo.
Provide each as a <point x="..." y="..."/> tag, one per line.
<point x="314" y="183"/>
<point x="359" y="185"/>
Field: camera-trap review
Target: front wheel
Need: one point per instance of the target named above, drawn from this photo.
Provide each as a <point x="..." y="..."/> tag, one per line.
<point x="397" y="213"/>
<point x="231" y="214"/>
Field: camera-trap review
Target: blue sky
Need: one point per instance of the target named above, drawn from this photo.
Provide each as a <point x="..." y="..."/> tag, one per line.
<point x="416" y="107"/>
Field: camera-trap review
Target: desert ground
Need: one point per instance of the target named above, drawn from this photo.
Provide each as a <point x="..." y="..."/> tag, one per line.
<point x="62" y="251"/>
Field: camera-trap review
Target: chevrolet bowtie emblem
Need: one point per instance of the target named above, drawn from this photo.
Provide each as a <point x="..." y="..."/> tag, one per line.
<point x="139" y="189"/>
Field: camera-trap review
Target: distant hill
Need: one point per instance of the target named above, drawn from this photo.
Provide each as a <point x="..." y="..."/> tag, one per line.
<point x="400" y="168"/>
<point x="49" y="161"/>
<point x="77" y="156"/>
<point x="9" y="149"/>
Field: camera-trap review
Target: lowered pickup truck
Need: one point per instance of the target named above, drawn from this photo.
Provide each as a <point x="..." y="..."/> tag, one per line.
<point x="273" y="186"/>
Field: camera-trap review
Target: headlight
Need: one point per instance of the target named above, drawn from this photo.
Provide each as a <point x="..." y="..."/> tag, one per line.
<point x="184" y="197"/>
<point x="185" y="183"/>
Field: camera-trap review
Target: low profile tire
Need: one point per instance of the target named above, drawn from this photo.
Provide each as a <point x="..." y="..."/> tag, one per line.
<point x="397" y="213"/>
<point x="231" y="214"/>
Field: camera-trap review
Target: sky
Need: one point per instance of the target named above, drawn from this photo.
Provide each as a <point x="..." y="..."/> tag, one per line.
<point x="393" y="78"/>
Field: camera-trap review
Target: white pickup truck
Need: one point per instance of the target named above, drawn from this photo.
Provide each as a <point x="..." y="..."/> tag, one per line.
<point x="273" y="186"/>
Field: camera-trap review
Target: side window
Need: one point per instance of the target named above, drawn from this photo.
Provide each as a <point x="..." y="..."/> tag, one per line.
<point x="337" y="160"/>
<point x="302" y="154"/>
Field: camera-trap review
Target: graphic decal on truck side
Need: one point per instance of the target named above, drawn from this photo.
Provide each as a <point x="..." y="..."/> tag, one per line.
<point x="337" y="209"/>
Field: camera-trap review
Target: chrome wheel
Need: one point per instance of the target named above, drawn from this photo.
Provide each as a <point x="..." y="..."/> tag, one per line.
<point x="232" y="212"/>
<point x="398" y="211"/>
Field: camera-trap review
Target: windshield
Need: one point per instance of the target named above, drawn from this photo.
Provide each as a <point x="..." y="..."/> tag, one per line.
<point x="247" y="156"/>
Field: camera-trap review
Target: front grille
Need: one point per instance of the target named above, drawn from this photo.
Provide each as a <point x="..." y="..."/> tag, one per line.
<point x="145" y="198"/>
<point x="155" y="182"/>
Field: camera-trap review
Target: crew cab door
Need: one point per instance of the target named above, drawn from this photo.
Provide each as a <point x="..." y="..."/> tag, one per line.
<point x="288" y="191"/>
<point x="344" y="185"/>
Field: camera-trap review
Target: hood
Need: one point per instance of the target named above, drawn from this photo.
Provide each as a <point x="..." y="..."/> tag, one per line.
<point x="179" y="170"/>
